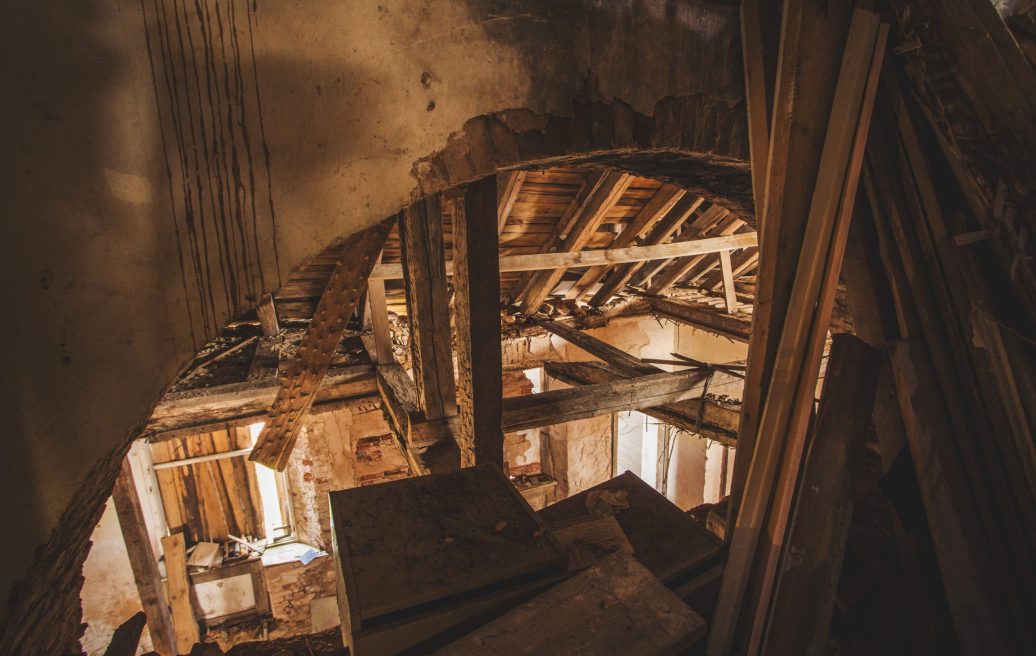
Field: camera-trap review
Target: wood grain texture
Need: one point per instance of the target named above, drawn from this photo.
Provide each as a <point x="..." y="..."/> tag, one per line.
<point x="428" y="306"/>
<point x="184" y="623"/>
<point x="476" y="282"/>
<point x="142" y="561"/>
<point x="298" y="391"/>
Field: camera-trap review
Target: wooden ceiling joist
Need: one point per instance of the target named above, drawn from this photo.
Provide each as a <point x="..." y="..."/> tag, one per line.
<point x="605" y="195"/>
<point x="307" y="369"/>
<point x="428" y="306"/>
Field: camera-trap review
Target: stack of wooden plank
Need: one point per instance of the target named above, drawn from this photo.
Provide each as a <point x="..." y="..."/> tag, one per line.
<point x="424" y="560"/>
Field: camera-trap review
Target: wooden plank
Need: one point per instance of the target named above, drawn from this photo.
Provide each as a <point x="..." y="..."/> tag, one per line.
<point x="623" y="361"/>
<point x="663" y="230"/>
<point x="428" y="306"/>
<point x="601" y="257"/>
<point x="729" y="293"/>
<point x="652" y="212"/>
<point x="811" y="44"/>
<point x="760" y="32"/>
<point x="621" y="395"/>
<point x="307" y="370"/>
<point x="477" y="306"/>
<point x="378" y="313"/>
<point x="142" y="560"/>
<point x="617" y="607"/>
<point x="741" y="264"/>
<point x="127" y="637"/>
<point x="184" y="623"/>
<point x="612" y="185"/>
<point x="717" y="422"/>
<point x="805" y="593"/>
<point x="508" y="186"/>
<point x="768" y="494"/>
<point x="267" y="312"/>
<point x="699" y="315"/>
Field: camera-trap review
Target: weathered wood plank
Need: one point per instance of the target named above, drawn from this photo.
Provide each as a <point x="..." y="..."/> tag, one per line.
<point x="142" y="561"/>
<point x="729" y="293"/>
<point x="601" y="257"/>
<point x="508" y="186"/>
<point x="718" y="422"/>
<point x="267" y="312"/>
<point x="477" y="306"/>
<point x="805" y="593"/>
<point x="737" y="327"/>
<point x="307" y="370"/>
<point x="185" y="625"/>
<point x="428" y="306"/>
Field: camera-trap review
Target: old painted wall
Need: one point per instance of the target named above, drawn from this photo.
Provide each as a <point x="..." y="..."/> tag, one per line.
<point x="166" y="162"/>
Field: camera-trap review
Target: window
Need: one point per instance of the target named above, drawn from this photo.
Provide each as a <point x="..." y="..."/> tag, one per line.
<point x="212" y="491"/>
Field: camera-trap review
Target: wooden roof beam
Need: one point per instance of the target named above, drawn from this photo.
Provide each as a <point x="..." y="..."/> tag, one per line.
<point x="663" y="229"/>
<point x="607" y="193"/>
<point x="653" y="211"/>
<point x="508" y="186"/>
<point x="298" y="390"/>
<point x="737" y="327"/>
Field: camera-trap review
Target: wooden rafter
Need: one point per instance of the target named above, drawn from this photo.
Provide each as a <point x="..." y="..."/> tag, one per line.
<point x="508" y="186"/>
<point x="737" y="327"/>
<point x="663" y="229"/>
<point x="727" y="224"/>
<point x="605" y="195"/>
<point x="656" y="208"/>
<point x="428" y="307"/>
<point x="476" y="282"/>
<point x="298" y="391"/>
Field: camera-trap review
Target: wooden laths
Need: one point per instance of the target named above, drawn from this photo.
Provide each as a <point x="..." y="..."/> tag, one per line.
<point x="318" y="346"/>
<point x="760" y="529"/>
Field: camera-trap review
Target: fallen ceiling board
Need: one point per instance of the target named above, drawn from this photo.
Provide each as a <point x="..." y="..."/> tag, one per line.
<point x="615" y="607"/>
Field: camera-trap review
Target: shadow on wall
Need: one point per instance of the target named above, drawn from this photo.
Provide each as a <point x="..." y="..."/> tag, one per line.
<point x="144" y="207"/>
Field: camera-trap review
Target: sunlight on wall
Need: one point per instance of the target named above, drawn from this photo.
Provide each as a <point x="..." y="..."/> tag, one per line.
<point x="267" y="480"/>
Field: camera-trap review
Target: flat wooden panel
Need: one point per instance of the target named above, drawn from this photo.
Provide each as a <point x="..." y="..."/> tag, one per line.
<point x="477" y="284"/>
<point x="184" y="623"/>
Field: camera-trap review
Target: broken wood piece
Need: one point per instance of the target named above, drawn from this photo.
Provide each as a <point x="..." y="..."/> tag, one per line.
<point x="185" y="625"/>
<point x="737" y="327"/>
<point x="267" y="311"/>
<point x="298" y="391"/>
<point x="205" y="554"/>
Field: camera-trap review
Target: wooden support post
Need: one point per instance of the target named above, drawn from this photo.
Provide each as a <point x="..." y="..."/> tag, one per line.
<point x="267" y="312"/>
<point x="805" y="593"/>
<point x="609" y="190"/>
<point x="336" y="305"/>
<point x="476" y="281"/>
<point x="185" y="624"/>
<point x="729" y="293"/>
<point x="142" y="561"/>
<point x="428" y="307"/>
